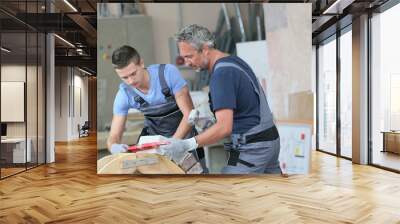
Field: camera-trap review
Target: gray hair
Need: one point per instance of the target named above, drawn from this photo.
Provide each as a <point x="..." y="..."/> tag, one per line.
<point x="197" y="36"/>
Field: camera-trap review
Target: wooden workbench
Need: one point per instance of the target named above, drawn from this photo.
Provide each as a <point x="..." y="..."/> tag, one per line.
<point x="112" y="164"/>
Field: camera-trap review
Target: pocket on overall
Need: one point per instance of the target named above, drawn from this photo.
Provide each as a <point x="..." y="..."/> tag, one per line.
<point x="165" y="125"/>
<point x="261" y="154"/>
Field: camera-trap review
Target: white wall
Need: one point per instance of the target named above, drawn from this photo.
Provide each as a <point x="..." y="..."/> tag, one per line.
<point x="288" y="35"/>
<point x="17" y="73"/>
<point x="61" y="103"/>
<point x="164" y="20"/>
<point x="68" y="82"/>
<point x="14" y="72"/>
<point x="33" y="126"/>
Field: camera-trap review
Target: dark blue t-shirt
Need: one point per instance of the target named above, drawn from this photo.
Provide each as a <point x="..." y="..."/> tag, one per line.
<point x="230" y="88"/>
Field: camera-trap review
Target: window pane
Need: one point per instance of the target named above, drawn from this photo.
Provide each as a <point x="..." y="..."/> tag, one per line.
<point x="386" y="88"/>
<point x="346" y="94"/>
<point x="14" y="146"/>
<point x="31" y="99"/>
<point x="41" y="98"/>
<point x="327" y="97"/>
<point x="22" y="76"/>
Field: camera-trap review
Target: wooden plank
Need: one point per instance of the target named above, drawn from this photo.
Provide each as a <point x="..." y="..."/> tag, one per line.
<point x="112" y="164"/>
<point x="165" y="166"/>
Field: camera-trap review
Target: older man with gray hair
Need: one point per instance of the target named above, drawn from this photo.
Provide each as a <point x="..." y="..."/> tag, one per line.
<point x="239" y="105"/>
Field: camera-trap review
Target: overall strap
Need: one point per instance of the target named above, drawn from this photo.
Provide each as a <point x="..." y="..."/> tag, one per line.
<point x="136" y="97"/>
<point x="140" y="100"/>
<point x="230" y="64"/>
<point x="164" y="87"/>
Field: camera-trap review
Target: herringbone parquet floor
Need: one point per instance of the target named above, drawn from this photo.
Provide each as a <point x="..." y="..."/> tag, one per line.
<point x="70" y="191"/>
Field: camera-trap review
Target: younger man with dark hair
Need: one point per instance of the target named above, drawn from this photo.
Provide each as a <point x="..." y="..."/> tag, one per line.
<point x="158" y="91"/>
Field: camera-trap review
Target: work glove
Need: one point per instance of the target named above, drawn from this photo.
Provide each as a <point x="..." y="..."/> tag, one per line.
<point x="193" y="116"/>
<point x="201" y="119"/>
<point x="118" y="148"/>
<point x="177" y="149"/>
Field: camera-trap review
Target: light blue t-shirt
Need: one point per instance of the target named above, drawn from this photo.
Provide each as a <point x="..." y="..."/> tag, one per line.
<point x="124" y="100"/>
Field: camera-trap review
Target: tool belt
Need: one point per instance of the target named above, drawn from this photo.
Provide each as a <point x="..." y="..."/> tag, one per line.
<point x="269" y="134"/>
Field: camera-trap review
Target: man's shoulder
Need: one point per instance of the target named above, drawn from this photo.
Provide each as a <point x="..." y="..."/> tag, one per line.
<point x="228" y="62"/>
<point x="232" y="64"/>
<point x="123" y="89"/>
<point x="229" y="59"/>
<point x="122" y="86"/>
<point x="226" y="65"/>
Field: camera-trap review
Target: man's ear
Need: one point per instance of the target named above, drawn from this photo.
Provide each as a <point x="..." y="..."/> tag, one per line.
<point x="141" y="63"/>
<point x="205" y="49"/>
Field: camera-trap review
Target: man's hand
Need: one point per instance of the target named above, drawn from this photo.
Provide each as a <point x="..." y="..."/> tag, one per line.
<point x="118" y="148"/>
<point x="117" y="129"/>
<point x="193" y="116"/>
<point x="200" y="119"/>
<point x="177" y="149"/>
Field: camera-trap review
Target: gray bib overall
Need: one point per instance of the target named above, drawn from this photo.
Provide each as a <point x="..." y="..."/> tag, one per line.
<point x="257" y="150"/>
<point x="164" y="119"/>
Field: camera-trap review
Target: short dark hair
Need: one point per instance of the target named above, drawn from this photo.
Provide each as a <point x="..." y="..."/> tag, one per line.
<point x="124" y="55"/>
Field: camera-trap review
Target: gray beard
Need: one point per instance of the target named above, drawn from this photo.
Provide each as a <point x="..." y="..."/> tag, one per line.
<point x="201" y="68"/>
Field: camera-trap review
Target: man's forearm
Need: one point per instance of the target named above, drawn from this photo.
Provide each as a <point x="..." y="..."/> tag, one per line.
<point x="112" y="140"/>
<point x="183" y="129"/>
<point x="117" y="129"/>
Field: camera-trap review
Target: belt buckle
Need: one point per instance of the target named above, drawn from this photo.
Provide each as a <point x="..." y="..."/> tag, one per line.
<point x="238" y="140"/>
<point x="235" y="141"/>
<point x="242" y="139"/>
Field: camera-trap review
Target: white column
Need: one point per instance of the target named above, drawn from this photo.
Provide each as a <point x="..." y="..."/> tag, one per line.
<point x="50" y="94"/>
<point x="360" y="90"/>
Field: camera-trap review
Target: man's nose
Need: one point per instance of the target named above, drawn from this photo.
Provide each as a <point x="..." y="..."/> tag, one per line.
<point x="130" y="80"/>
<point x="188" y="62"/>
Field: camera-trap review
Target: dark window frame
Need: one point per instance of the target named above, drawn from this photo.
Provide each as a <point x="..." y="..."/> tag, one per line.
<point x="31" y="30"/>
<point x="334" y="37"/>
